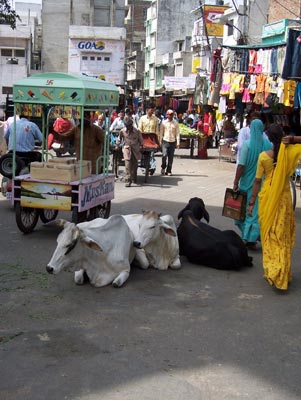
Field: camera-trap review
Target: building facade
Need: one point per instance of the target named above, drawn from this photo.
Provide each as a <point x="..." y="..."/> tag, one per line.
<point x="88" y="38"/>
<point x="168" y="43"/>
<point x="16" y="48"/>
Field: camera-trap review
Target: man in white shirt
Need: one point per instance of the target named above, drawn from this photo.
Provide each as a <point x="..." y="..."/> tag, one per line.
<point x="169" y="139"/>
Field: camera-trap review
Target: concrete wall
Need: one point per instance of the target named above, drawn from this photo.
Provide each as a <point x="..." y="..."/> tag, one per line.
<point x="174" y="23"/>
<point x="257" y="17"/>
<point x="291" y="10"/>
<point x="55" y="23"/>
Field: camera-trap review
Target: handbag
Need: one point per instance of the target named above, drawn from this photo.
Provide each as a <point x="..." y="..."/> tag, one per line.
<point x="235" y="204"/>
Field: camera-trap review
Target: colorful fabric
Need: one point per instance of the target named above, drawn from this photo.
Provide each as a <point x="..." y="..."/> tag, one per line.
<point x="248" y="158"/>
<point x="276" y="215"/>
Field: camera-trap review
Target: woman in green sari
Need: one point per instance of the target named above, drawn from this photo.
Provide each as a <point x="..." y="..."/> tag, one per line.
<point x="244" y="178"/>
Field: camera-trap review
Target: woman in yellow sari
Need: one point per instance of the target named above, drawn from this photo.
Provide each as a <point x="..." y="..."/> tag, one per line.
<point x="275" y="210"/>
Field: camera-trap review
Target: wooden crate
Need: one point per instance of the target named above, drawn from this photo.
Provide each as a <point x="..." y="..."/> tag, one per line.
<point x="185" y="143"/>
<point x="60" y="172"/>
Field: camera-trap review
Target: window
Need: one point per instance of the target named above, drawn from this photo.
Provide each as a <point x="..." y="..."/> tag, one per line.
<point x="144" y="11"/>
<point x="179" y="69"/>
<point x="6" y="52"/>
<point x="230" y="27"/>
<point x="7" y="90"/>
<point x="20" y="53"/>
<point x="153" y="41"/>
<point x="85" y="19"/>
<point x="94" y="63"/>
<point x="152" y="72"/>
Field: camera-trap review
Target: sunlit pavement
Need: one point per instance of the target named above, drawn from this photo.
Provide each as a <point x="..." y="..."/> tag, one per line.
<point x="196" y="333"/>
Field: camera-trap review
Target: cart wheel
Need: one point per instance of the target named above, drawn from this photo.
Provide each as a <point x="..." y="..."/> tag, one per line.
<point x="48" y="215"/>
<point x="77" y="216"/>
<point x="101" y="211"/>
<point x="26" y="218"/>
<point x="146" y="164"/>
<point x="6" y="165"/>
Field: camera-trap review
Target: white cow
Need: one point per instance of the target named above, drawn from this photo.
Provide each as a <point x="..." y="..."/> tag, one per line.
<point x="155" y="239"/>
<point x="102" y="248"/>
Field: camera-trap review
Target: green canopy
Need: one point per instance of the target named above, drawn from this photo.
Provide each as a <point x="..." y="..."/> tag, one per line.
<point x="58" y="88"/>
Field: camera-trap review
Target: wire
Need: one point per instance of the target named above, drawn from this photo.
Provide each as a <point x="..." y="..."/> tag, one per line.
<point x="236" y="9"/>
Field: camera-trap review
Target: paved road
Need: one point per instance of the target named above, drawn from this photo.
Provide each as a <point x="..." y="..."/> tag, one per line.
<point x="196" y="333"/>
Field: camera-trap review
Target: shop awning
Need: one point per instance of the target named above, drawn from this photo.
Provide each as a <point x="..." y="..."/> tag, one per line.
<point x="65" y="89"/>
<point x="254" y="46"/>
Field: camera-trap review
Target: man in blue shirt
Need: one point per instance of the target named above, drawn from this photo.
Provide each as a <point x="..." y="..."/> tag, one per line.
<point x="27" y="133"/>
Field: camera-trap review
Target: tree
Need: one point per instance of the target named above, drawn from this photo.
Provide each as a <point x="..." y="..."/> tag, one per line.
<point x="8" y="15"/>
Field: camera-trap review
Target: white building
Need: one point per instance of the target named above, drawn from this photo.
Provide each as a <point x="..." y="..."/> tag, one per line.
<point x="16" y="47"/>
<point x="168" y="42"/>
<point x="85" y="37"/>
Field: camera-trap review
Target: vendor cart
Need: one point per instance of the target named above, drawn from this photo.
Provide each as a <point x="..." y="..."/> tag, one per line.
<point x="64" y="184"/>
<point x="150" y="145"/>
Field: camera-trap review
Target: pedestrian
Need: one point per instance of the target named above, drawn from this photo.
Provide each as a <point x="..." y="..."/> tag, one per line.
<point x="115" y="129"/>
<point x="100" y="120"/>
<point x="93" y="140"/>
<point x="244" y="178"/>
<point x="169" y="140"/>
<point x="149" y="123"/>
<point x="132" y="146"/>
<point x="228" y="128"/>
<point x="276" y="214"/>
<point x="3" y="145"/>
<point x="27" y="134"/>
<point x="200" y="124"/>
<point x="244" y="133"/>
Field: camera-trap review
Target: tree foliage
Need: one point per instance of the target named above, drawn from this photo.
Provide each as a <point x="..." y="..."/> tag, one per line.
<point x="8" y="15"/>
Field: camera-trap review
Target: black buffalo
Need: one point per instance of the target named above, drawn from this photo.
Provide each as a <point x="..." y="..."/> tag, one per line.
<point x="203" y="244"/>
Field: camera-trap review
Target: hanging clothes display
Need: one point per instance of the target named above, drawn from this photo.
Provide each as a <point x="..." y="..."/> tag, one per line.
<point x="292" y="63"/>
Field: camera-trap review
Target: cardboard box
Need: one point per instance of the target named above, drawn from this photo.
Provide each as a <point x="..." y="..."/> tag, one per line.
<point x="63" y="160"/>
<point x="59" y="172"/>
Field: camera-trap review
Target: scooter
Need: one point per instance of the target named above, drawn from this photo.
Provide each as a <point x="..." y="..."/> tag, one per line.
<point x="6" y="170"/>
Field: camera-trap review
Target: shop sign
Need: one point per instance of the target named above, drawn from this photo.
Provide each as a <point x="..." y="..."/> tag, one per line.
<point x="95" y="193"/>
<point x="211" y="15"/>
<point x="178" y="83"/>
<point x="91" y="45"/>
<point x="273" y="29"/>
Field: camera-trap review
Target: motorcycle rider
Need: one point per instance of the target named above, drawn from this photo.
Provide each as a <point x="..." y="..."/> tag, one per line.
<point x="27" y="133"/>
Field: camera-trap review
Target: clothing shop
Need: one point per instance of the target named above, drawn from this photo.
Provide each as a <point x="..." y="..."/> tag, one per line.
<point x="262" y="77"/>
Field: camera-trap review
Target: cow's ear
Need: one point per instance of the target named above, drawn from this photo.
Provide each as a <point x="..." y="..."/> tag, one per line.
<point x="169" y="231"/>
<point x="91" y="243"/>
